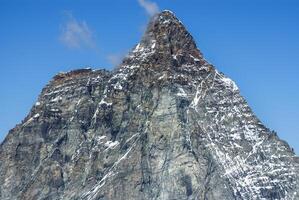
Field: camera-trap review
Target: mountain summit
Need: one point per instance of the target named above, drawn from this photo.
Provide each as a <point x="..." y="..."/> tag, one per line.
<point x="166" y="41"/>
<point x="164" y="125"/>
<point x="169" y="35"/>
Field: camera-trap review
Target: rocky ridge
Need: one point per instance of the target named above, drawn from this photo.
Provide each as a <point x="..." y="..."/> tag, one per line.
<point x="164" y="125"/>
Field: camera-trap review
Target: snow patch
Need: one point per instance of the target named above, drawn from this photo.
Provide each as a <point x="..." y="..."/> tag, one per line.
<point x="111" y="145"/>
<point x="166" y="21"/>
<point x="195" y="59"/>
<point x="100" y="138"/>
<point x="103" y="102"/>
<point x="230" y="83"/>
<point x="118" y="86"/>
<point x="161" y="77"/>
<point x="36" y="116"/>
<point x="153" y="45"/>
<point x="181" y="93"/>
<point x="138" y="48"/>
<point x="31" y="119"/>
<point x="58" y="98"/>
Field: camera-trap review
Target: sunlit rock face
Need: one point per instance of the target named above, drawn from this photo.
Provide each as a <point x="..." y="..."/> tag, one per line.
<point x="164" y="125"/>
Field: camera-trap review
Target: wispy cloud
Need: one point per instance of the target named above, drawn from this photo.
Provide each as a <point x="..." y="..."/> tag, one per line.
<point x="150" y="7"/>
<point x="76" y="34"/>
<point x="116" y="58"/>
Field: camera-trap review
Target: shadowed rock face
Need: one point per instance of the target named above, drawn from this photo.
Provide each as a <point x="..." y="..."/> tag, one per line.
<point x="164" y="125"/>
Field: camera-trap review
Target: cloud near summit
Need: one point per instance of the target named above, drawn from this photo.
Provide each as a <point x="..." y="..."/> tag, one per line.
<point x="150" y="7"/>
<point x="76" y="34"/>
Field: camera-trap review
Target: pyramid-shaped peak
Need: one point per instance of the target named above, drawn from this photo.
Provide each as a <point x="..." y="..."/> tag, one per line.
<point x="166" y="35"/>
<point x="166" y="15"/>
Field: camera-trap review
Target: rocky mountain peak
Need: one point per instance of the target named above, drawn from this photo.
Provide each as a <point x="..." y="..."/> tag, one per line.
<point x="166" y="37"/>
<point x="164" y="125"/>
<point x="169" y="34"/>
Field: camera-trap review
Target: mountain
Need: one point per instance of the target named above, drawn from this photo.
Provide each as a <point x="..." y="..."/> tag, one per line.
<point x="164" y="125"/>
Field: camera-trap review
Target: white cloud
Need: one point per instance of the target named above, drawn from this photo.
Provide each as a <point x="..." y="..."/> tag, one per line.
<point x="116" y="59"/>
<point x="150" y="7"/>
<point x="76" y="34"/>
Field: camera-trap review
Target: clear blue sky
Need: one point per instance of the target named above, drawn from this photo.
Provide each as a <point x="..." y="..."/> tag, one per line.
<point x="255" y="42"/>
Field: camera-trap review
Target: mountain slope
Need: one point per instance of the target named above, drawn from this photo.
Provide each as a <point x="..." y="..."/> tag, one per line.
<point x="164" y="125"/>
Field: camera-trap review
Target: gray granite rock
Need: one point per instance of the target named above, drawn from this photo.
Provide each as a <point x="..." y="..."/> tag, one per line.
<point x="164" y="125"/>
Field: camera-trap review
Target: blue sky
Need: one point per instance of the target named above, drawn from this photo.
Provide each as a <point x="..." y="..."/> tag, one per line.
<point x="254" y="42"/>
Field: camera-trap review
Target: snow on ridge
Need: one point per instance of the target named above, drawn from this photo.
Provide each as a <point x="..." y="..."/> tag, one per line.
<point x="168" y="11"/>
<point x="153" y="45"/>
<point x="166" y="21"/>
<point x="238" y="169"/>
<point x="138" y="48"/>
<point x="37" y="115"/>
<point x="181" y="93"/>
<point x="103" y="102"/>
<point x="162" y="17"/>
<point x="143" y="50"/>
<point x="58" y="98"/>
<point x="116" y="82"/>
<point x="195" y="59"/>
<point x="111" y="145"/>
<point x="230" y="83"/>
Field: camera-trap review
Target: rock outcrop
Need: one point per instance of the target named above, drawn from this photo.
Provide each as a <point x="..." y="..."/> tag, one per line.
<point x="164" y="125"/>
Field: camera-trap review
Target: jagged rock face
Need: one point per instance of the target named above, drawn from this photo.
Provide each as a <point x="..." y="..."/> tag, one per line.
<point x="164" y="125"/>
